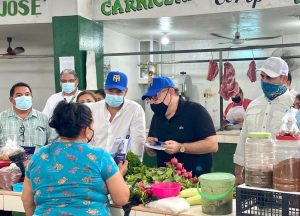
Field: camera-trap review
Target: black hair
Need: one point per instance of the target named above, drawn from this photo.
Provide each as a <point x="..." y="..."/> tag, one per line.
<point x="101" y="92"/>
<point x="289" y="77"/>
<point x="176" y="91"/>
<point x="69" y="119"/>
<point x="19" y="84"/>
<point x="298" y="96"/>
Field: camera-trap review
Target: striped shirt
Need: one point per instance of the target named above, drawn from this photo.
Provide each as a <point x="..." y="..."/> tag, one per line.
<point x="34" y="130"/>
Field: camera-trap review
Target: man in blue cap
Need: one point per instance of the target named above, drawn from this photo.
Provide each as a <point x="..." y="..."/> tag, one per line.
<point x="185" y="127"/>
<point x="116" y="117"/>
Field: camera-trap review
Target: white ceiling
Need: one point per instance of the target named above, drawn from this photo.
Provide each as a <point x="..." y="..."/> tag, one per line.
<point x="258" y="23"/>
<point x="39" y="34"/>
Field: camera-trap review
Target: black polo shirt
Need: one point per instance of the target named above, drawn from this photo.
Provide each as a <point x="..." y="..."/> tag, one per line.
<point x="190" y="123"/>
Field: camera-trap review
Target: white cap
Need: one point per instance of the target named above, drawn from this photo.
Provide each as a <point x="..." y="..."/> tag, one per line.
<point x="274" y="67"/>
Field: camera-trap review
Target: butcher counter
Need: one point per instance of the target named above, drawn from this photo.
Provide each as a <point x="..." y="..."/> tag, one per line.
<point x="11" y="201"/>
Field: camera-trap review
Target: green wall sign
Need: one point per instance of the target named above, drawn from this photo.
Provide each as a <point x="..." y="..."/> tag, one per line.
<point x="114" y="7"/>
<point x="19" y="7"/>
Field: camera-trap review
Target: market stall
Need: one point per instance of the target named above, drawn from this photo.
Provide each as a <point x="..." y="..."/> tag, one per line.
<point x="11" y="201"/>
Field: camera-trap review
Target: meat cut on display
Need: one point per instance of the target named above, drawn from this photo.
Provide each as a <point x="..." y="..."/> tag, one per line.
<point x="252" y="71"/>
<point x="229" y="87"/>
<point x="213" y="70"/>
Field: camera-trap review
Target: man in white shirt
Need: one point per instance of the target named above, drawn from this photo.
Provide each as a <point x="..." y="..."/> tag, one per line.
<point x="68" y="82"/>
<point x="117" y="117"/>
<point x="265" y="113"/>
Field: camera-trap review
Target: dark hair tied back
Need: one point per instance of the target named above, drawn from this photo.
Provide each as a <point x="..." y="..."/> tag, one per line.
<point x="69" y="119"/>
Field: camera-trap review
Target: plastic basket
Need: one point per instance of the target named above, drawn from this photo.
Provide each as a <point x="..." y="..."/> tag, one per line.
<point x="18" y="187"/>
<point x="261" y="201"/>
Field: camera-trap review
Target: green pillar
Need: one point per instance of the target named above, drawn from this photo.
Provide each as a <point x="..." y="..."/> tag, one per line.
<point x="74" y="36"/>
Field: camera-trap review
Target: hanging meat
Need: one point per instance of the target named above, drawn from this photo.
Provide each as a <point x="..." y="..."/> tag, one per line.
<point x="252" y="71"/>
<point x="213" y="70"/>
<point x="229" y="87"/>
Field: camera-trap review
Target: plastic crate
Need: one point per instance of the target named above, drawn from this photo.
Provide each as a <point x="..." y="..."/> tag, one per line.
<point x="262" y="201"/>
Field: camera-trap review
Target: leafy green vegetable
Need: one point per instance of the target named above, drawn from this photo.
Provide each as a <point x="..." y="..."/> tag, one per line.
<point x="134" y="163"/>
<point x="137" y="172"/>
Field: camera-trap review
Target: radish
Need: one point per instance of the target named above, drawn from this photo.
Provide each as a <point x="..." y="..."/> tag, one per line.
<point x="195" y="179"/>
<point x="179" y="166"/>
<point x="178" y="172"/>
<point x="174" y="161"/>
<point x="185" y="175"/>
<point x="183" y="171"/>
<point x="142" y="186"/>
<point x="149" y="192"/>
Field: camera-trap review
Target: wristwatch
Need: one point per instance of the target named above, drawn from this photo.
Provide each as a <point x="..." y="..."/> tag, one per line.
<point x="182" y="148"/>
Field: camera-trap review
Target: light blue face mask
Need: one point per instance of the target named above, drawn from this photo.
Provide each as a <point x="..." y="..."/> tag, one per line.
<point x="298" y="119"/>
<point x="68" y="87"/>
<point x="272" y="90"/>
<point x="23" y="102"/>
<point x="114" y="100"/>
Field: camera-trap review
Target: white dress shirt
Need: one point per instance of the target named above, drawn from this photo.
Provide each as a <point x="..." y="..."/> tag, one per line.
<point x="54" y="99"/>
<point x="262" y="116"/>
<point x="129" y="120"/>
<point x="294" y="92"/>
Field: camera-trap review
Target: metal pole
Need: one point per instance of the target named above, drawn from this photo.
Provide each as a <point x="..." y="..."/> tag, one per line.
<point x="203" y="50"/>
<point x="227" y="59"/>
<point x="220" y="81"/>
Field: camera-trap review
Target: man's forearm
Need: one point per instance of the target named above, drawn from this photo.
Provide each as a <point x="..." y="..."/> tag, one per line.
<point x="208" y="145"/>
<point x="238" y="170"/>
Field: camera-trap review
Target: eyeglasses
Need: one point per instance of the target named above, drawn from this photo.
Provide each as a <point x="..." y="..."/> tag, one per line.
<point x="155" y="98"/>
<point x="68" y="81"/>
<point x="22" y="131"/>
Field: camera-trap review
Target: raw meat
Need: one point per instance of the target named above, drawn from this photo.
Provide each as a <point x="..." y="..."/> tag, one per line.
<point x="229" y="87"/>
<point x="252" y="71"/>
<point x="213" y="70"/>
<point x="9" y="176"/>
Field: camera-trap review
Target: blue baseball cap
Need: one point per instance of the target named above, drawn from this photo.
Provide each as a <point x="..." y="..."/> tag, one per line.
<point x="158" y="83"/>
<point x="116" y="79"/>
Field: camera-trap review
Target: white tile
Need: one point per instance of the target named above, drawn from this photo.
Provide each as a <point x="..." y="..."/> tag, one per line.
<point x="1" y="202"/>
<point x="13" y="203"/>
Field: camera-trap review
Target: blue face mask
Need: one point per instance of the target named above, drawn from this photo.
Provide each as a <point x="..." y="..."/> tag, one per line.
<point x="298" y="119"/>
<point x="23" y="102"/>
<point x="114" y="100"/>
<point x="272" y="90"/>
<point x="68" y="87"/>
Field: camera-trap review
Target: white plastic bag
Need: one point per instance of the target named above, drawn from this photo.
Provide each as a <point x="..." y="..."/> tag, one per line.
<point x="172" y="204"/>
<point x="10" y="148"/>
<point x="9" y="176"/>
<point x="289" y="123"/>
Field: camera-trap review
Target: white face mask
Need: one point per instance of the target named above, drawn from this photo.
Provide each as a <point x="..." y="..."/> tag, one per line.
<point x="68" y="87"/>
<point x="23" y="102"/>
<point x="114" y="100"/>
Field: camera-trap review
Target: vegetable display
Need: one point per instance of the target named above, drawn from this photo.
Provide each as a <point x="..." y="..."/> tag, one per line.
<point x="139" y="177"/>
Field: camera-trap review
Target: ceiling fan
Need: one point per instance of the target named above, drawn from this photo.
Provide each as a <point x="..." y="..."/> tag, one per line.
<point x="237" y="40"/>
<point x="10" y="51"/>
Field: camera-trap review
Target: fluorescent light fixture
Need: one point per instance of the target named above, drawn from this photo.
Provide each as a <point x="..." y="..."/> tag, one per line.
<point x="165" y="24"/>
<point x="165" y="40"/>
